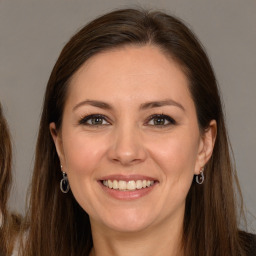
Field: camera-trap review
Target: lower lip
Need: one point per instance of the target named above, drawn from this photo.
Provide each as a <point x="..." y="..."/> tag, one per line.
<point x="127" y="195"/>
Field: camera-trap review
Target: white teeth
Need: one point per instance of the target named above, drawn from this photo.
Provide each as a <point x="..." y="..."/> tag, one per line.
<point x="138" y="184"/>
<point x="122" y="185"/>
<point x="128" y="185"/>
<point x="109" y="184"/>
<point x="115" y="184"/>
<point x="131" y="185"/>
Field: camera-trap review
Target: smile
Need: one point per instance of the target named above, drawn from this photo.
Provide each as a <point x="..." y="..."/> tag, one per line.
<point x="128" y="185"/>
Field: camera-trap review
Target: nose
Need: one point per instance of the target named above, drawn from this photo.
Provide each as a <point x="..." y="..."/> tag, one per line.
<point x="127" y="147"/>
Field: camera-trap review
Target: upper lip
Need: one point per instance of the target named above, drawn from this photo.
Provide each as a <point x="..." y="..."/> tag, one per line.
<point x="127" y="177"/>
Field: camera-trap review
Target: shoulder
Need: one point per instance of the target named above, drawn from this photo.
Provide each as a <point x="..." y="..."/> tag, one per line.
<point x="248" y="242"/>
<point x="252" y="240"/>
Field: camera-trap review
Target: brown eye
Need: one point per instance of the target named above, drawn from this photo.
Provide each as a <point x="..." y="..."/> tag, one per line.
<point x="161" y="120"/>
<point x="94" y="120"/>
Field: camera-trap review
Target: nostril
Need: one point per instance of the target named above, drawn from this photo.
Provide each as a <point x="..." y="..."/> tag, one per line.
<point x="127" y="147"/>
<point x="124" y="161"/>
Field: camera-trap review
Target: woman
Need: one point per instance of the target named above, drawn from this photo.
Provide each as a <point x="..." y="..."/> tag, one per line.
<point x="9" y="223"/>
<point x="132" y="154"/>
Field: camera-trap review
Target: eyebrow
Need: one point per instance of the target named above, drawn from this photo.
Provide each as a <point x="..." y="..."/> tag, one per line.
<point x="157" y="104"/>
<point x="95" y="103"/>
<point x="147" y="105"/>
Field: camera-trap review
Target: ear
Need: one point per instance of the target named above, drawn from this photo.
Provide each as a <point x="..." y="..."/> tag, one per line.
<point x="206" y="146"/>
<point x="56" y="136"/>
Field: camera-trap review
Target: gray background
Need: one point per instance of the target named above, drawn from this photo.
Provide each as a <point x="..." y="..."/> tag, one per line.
<point x="32" y="33"/>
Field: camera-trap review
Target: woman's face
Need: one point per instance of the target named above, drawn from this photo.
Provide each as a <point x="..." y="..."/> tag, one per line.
<point x="130" y="142"/>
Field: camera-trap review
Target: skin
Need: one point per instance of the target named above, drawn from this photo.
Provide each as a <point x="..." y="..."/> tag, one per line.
<point x="130" y="142"/>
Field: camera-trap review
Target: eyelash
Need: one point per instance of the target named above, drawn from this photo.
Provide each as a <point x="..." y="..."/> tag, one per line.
<point x="84" y="120"/>
<point x="161" y="117"/>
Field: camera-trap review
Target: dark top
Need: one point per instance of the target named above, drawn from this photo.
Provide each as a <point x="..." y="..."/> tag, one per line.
<point x="251" y="244"/>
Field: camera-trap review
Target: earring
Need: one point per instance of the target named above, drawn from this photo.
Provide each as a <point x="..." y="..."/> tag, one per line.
<point x="64" y="184"/>
<point x="200" y="177"/>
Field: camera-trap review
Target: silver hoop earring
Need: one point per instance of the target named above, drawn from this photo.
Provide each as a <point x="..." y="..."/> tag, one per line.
<point x="200" y="177"/>
<point x="64" y="184"/>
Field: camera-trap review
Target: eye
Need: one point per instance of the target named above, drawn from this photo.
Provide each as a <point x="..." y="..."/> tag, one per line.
<point x="95" y="119"/>
<point x="160" y="120"/>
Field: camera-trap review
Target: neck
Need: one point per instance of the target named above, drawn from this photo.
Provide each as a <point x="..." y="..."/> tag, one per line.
<point x="162" y="239"/>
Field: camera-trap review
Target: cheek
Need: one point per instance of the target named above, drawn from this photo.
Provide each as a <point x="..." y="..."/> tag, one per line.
<point x="82" y="157"/>
<point x="82" y="153"/>
<point x="176" y="155"/>
<point x="176" y="158"/>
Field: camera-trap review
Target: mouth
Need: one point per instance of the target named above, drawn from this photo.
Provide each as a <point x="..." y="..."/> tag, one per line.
<point x="129" y="185"/>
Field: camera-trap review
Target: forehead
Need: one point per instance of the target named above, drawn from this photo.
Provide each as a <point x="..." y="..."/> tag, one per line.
<point x="128" y="59"/>
<point x="140" y="72"/>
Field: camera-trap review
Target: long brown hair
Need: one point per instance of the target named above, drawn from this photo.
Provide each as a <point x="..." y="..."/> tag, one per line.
<point x="10" y="223"/>
<point x="58" y="225"/>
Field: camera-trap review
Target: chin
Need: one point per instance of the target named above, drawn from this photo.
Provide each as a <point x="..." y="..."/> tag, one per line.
<point x="128" y="221"/>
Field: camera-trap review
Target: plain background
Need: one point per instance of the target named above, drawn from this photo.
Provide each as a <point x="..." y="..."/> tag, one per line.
<point x="32" y="34"/>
